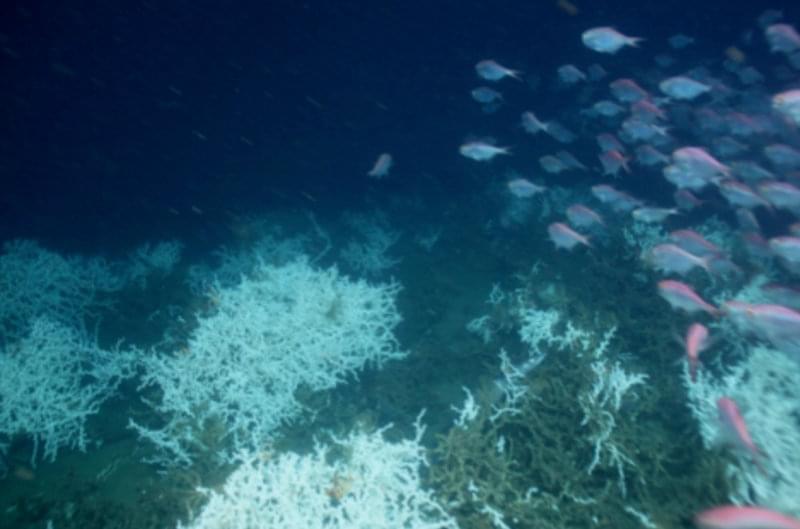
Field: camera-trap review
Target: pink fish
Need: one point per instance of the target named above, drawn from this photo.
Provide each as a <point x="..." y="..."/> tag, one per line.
<point x="565" y="237"/>
<point x="738" y="517"/>
<point x="782" y="38"/>
<point x="788" y="104"/>
<point x="627" y="91"/>
<point x="382" y="166"/>
<point x="698" y="161"/>
<point x="671" y="258"/>
<point x="778" y="325"/>
<point x="733" y="425"/>
<point x="613" y="161"/>
<point x="681" y="296"/>
<point x="696" y="342"/>
<point x="693" y="242"/>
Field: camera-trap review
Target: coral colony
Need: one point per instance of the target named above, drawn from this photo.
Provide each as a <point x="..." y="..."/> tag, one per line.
<point x="571" y="404"/>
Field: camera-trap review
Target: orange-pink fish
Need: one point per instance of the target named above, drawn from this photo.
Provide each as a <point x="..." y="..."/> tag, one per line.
<point x="741" y="517"/>
<point x="733" y="424"/>
<point x="696" y="342"/>
<point x="681" y="296"/>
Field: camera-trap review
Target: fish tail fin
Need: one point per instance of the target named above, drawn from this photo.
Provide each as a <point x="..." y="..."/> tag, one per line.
<point x="634" y="41"/>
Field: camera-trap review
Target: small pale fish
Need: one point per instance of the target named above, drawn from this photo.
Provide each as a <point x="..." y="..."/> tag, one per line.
<point x="552" y="164"/>
<point x="778" y="325"/>
<point x="681" y="296"/>
<point x="782" y="38"/>
<point x="612" y="162"/>
<point x="747" y="220"/>
<point x="782" y="295"/>
<point x="646" y="110"/>
<point x="740" y="195"/>
<point x="650" y="215"/>
<point x="680" y="41"/>
<point x="636" y="130"/>
<point x="664" y="60"/>
<point x="565" y="237"/>
<point x="743" y="517"/>
<point x="382" y="166"/>
<point x="672" y="259"/>
<point x="686" y="200"/>
<point x="769" y="17"/>
<point x="627" y="91"/>
<point x="735" y="428"/>
<point x="560" y="133"/>
<point x="742" y="125"/>
<point x="726" y="147"/>
<point x="486" y="95"/>
<point x="607" y="109"/>
<point x="532" y="124"/>
<point x="749" y="76"/>
<point x="756" y="247"/>
<point x="781" y="195"/>
<point x="522" y="188"/>
<point x="783" y="157"/>
<point x="619" y="201"/>
<point x="608" y="142"/>
<point x="788" y="249"/>
<point x="595" y="72"/>
<point x="683" y="88"/>
<point x="570" y="161"/>
<point x="569" y="74"/>
<point x="481" y="151"/>
<point x="788" y="104"/>
<point x="582" y="217"/>
<point x="493" y="71"/>
<point x="696" y="342"/>
<point x="697" y="160"/>
<point x="693" y="242"/>
<point x="750" y="171"/>
<point x="683" y="179"/>
<point x="648" y="155"/>
<point x="607" y="40"/>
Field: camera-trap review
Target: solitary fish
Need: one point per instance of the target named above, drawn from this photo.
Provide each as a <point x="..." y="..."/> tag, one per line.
<point x="381" y="167"/>
<point x="481" y="151"/>
<point x="696" y="342"/>
<point x="607" y="40"/>
<point x="493" y="71"/>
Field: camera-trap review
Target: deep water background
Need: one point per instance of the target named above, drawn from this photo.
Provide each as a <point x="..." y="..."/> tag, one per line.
<point x="132" y="121"/>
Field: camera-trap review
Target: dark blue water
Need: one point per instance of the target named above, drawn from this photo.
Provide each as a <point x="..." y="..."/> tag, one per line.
<point x="124" y="123"/>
